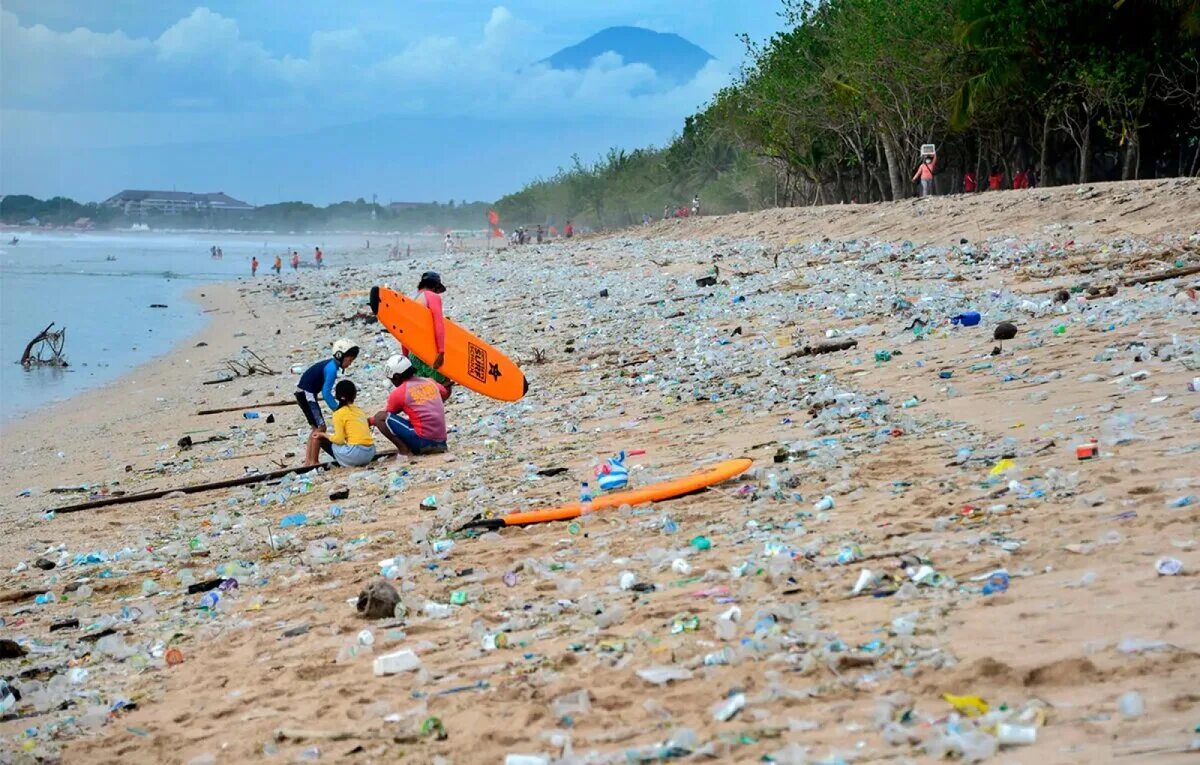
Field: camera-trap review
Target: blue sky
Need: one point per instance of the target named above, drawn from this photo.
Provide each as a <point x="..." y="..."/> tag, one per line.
<point x="323" y="101"/>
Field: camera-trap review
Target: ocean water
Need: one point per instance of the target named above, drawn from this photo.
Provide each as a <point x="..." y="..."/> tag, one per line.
<point x="105" y="304"/>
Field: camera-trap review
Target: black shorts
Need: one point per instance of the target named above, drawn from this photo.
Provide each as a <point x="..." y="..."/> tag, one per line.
<point x="311" y="408"/>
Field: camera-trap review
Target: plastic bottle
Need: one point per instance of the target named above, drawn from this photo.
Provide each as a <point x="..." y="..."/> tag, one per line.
<point x="823" y="504"/>
<point x="1131" y="705"/>
<point x="585" y="498"/>
<point x="251" y="415"/>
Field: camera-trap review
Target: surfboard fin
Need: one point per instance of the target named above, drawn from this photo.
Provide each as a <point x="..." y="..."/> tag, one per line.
<point x="375" y="301"/>
<point x="487" y="524"/>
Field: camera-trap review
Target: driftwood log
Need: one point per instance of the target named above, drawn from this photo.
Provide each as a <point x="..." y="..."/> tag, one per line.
<point x="819" y="348"/>
<point x="54" y="340"/>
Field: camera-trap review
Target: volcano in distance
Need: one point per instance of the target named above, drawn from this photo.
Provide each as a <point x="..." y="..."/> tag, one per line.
<point x="671" y="56"/>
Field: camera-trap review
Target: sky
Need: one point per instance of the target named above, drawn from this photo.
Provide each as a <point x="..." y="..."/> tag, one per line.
<point x="323" y="101"/>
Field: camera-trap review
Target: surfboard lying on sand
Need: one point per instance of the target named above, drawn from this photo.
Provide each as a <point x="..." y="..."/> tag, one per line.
<point x="676" y="487"/>
<point x="469" y="361"/>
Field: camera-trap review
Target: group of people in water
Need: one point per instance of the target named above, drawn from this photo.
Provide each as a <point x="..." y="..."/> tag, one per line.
<point x="414" y="416"/>
<point x="277" y="266"/>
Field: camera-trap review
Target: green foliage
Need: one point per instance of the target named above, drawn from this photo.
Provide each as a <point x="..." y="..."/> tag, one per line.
<point x="836" y="106"/>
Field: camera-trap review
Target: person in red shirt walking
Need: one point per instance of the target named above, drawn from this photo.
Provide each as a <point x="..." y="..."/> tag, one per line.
<point x="970" y="185"/>
<point x="253" y="266"/>
<point x="295" y="261"/>
<point x="319" y="257"/>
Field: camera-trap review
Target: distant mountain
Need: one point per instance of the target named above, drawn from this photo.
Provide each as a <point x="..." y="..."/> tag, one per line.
<point x="673" y="57"/>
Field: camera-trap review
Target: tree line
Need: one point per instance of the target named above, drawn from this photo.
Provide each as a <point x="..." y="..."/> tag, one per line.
<point x="836" y="107"/>
<point x="359" y="215"/>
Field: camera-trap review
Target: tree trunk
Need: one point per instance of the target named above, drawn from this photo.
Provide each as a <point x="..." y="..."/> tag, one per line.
<point x="1044" y="155"/>
<point x="1085" y="153"/>
<point x="894" y="174"/>
<point x="1129" y="168"/>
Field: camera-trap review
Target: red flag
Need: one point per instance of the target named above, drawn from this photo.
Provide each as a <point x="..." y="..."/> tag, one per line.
<point x="493" y="218"/>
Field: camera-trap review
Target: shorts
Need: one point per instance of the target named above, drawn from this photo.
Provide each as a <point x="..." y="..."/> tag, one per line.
<point x="421" y="369"/>
<point x="311" y="408"/>
<point x="353" y="455"/>
<point x="401" y="428"/>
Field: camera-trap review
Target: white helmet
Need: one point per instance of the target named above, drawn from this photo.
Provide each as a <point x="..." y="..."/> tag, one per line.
<point x="397" y="365"/>
<point x="342" y="347"/>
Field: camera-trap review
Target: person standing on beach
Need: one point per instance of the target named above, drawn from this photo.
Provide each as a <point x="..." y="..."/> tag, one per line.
<point x="295" y="261"/>
<point x="278" y="265"/>
<point x="253" y="266"/>
<point x="319" y="257"/>
<point x="317" y="383"/>
<point x="924" y="174"/>
<point x="415" y="417"/>
<point x="539" y="233"/>
<point x="429" y="294"/>
<point x="995" y="179"/>
<point x="448" y="244"/>
<point x="969" y="182"/>
<point x="569" y="230"/>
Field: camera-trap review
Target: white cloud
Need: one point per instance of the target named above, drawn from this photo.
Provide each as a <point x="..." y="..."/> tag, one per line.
<point x="203" y="62"/>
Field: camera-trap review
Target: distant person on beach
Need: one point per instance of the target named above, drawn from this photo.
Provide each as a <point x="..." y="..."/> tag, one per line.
<point x="666" y="212"/>
<point x="540" y="233"/>
<point x="995" y="179"/>
<point x="1021" y="179"/>
<point x="213" y="251"/>
<point x="253" y="266"/>
<point x="278" y="265"/>
<point x="969" y="182"/>
<point x="448" y="244"/>
<point x="351" y="444"/>
<point x="295" y="261"/>
<point x="429" y="294"/>
<point x="319" y="257"/>
<point x="317" y="383"/>
<point x="696" y="205"/>
<point x="924" y="174"/>
<point x="415" y="417"/>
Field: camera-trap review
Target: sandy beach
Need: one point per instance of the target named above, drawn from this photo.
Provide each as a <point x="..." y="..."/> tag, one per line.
<point x="935" y="450"/>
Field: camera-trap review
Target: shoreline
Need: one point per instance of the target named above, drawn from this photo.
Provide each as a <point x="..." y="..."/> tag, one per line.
<point x="192" y="295"/>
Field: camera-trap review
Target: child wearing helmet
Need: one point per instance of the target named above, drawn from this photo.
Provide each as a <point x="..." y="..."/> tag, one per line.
<point x="351" y="443"/>
<point x="415" y="419"/>
<point x="429" y="294"/>
<point x="317" y="383"/>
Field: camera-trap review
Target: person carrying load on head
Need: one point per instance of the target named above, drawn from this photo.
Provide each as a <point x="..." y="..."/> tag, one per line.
<point x="415" y="417"/>
<point x="924" y="173"/>
<point x="317" y="383"/>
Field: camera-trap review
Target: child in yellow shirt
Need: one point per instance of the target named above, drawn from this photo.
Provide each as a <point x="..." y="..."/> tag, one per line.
<point x="351" y="443"/>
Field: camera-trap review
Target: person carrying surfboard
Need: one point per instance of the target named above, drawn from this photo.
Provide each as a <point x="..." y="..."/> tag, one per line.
<point x="429" y="294"/>
<point x="317" y="383"/>
<point x="415" y="417"/>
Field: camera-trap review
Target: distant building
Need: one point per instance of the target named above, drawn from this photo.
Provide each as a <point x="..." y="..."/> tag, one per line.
<point x="135" y="202"/>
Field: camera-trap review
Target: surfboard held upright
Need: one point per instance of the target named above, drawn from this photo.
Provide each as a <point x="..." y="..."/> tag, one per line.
<point x="469" y="361"/>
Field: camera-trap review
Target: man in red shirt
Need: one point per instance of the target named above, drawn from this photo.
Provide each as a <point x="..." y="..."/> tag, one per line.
<point x="415" y="418"/>
<point x="995" y="179"/>
<point x="969" y="183"/>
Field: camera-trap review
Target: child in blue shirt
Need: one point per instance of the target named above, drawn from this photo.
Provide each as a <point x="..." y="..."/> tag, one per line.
<point x="317" y="383"/>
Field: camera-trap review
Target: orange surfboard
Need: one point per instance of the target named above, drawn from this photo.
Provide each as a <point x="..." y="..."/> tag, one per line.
<point x="469" y="361"/>
<point x="677" y="487"/>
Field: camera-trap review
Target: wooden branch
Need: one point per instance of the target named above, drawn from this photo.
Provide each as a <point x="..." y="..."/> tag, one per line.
<point x="246" y="407"/>
<point x="245" y="480"/>
<point x="1162" y="276"/>
<point x="37" y="339"/>
<point x="829" y="347"/>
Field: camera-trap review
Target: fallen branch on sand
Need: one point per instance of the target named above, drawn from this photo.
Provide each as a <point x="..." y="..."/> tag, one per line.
<point x="1162" y="276"/>
<point x="245" y="480"/>
<point x="814" y="350"/>
<point x="247" y="407"/>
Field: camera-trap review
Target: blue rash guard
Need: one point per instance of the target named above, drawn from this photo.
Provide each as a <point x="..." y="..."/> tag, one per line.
<point x="319" y="378"/>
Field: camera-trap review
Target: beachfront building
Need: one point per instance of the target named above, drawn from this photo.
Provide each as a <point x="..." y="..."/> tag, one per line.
<point x="136" y="202"/>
